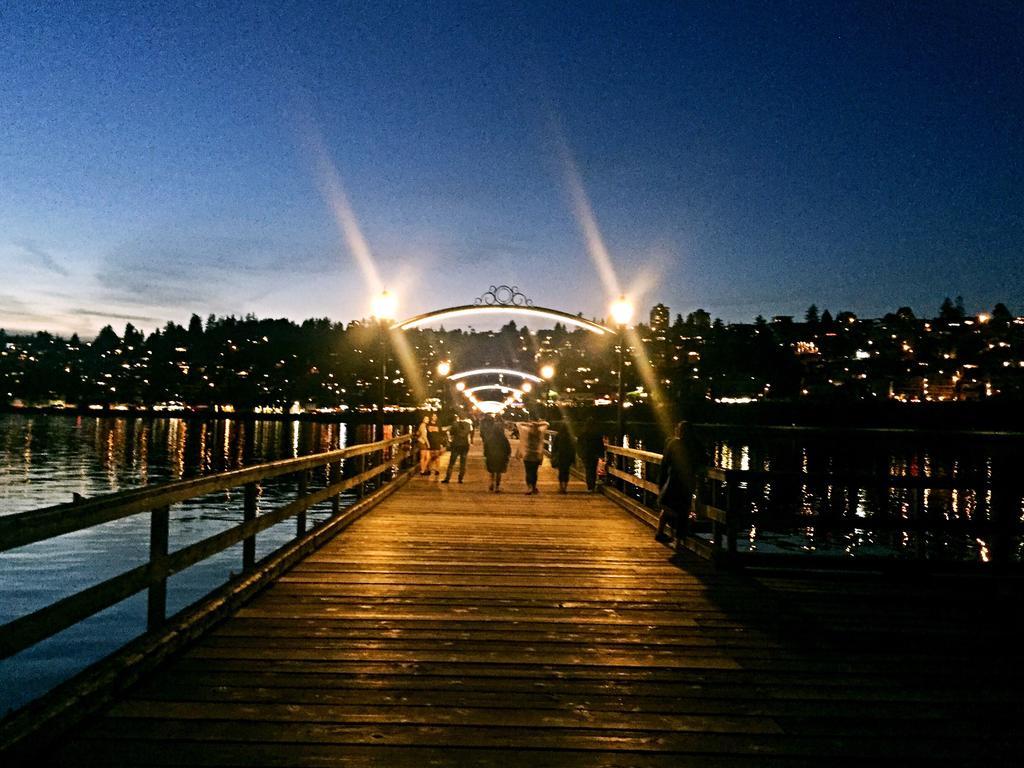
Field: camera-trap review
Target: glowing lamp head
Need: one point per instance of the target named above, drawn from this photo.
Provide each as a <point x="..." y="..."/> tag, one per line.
<point x="384" y="306"/>
<point x="622" y="311"/>
<point x="547" y="371"/>
<point x="460" y="386"/>
<point x="526" y="386"/>
<point x="444" y="368"/>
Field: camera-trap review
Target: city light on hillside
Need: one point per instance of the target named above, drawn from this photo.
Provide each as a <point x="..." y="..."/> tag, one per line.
<point x="444" y="368"/>
<point x="547" y="371"/>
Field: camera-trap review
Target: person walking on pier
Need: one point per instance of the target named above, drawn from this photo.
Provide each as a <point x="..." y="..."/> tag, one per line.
<point x="435" y="438"/>
<point x="423" y="443"/>
<point x="563" y="456"/>
<point x="531" y="450"/>
<point x="497" y="451"/>
<point x="591" y="450"/>
<point x="459" y="445"/>
<point x="677" y="482"/>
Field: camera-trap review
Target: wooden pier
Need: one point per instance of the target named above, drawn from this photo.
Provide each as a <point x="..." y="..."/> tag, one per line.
<point x="453" y="626"/>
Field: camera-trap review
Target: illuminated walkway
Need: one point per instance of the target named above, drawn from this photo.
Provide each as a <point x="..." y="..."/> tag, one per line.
<point x="455" y="626"/>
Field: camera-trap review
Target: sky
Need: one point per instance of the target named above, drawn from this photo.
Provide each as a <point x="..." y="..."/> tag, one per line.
<point x="745" y="157"/>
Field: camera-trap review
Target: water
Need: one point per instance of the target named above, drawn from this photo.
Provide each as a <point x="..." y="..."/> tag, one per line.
<point x="801" y="512"/>
<point x="46" y="459"/>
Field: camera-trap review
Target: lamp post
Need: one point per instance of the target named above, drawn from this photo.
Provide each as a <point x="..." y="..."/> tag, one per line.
<point x="443" y="369"/>
<point x="547" y="372"/>
<point x="383" y="308"/>
<point x="526" y="388"/>
<point x="622" y="313"/>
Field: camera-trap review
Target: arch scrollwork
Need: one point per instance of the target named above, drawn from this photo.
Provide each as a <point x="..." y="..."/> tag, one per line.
<point x="503" y="296"/>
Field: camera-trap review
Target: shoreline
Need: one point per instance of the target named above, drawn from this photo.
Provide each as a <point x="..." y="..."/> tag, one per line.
<point x="931" y="420"/>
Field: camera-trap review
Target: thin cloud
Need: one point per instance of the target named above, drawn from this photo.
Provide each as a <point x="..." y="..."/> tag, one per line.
<point x="114" y="316"/>
<point x="43" y="258"/>
<point x="198" y="270"/>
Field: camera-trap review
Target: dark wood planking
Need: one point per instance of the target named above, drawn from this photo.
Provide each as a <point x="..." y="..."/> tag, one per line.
<point x="454" y="626"/>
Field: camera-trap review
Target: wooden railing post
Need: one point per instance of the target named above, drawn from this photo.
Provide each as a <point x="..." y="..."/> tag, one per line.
<point x="300" y="518"/>
<point x="333" y="476"/>
<point x="716" y="526"/>
<point x="156" y="607"/>
<point x="360" y="468"/>
<point x="249" y="542"/>
<point x="730" y="521"/>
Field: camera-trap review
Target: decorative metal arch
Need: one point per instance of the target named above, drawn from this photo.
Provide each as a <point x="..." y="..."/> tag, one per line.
<point x="502" y="300"/>
<point x="503" y="296"/>
<point x="490" y="406"/>
<point x="501" y="387"/>
<point x="495" y="371"/>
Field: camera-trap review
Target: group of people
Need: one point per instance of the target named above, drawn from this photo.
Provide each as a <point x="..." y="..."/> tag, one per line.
<point x="498" y="450"/>
<point x="681" y="457"/>
<point x="431" y="442"/>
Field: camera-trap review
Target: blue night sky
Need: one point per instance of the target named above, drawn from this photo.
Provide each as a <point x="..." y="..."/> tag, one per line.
<point x="157" y="160"/>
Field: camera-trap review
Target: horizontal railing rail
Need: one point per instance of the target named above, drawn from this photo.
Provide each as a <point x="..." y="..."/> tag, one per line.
<point x="722" y="501"/>
<point x="360" y="467"/>
<point x="36" y="525"/>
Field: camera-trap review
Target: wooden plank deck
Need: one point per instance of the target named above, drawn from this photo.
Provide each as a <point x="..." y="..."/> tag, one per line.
<point x="452" y="626"/>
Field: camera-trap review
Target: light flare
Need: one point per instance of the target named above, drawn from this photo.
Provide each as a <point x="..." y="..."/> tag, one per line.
<point x="333" y="190"/>
<point x="587" y="223"/>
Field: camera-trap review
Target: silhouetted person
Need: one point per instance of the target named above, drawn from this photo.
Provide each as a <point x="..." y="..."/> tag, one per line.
<point x="591" y="449"/>
<point x="531" y="450"/>
<point x="497" y="451"/>
<point x="563" y="456"/>
<point x="459" y="436"/>
<point x="677" y="481"/>
<point x="435" y="439"/>
<point x="423" y="444"/>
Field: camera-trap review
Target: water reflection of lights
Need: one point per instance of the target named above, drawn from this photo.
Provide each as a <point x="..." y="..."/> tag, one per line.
<point x="225" y="453"/>
<point x="176" y="436"/>
<point x="983" y="551"/>
<point x="862" y="499"/>
<point x="142" y="451"/>
<point x="204" y="458"/>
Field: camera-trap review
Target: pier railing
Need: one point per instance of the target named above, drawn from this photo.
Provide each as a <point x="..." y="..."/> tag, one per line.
<point x="364" y="468"/>
<point x="724" y="509"/>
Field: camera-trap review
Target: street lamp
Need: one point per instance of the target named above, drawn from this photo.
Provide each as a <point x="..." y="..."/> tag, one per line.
<point x="547" y="372"/>
<point x="443" y="369"/>
<point x="622" y="313"/>
<point x="383" y="307"/>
